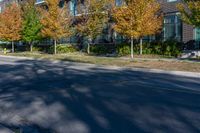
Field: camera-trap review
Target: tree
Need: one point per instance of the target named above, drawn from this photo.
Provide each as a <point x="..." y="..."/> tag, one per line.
<point x="93" y="19"/>
<point x="55" y="21"/>
<point x="31" y="30"/>
<point x="190" y="12"/>
<point x="11" y="24"/>
<point x="136" y="19"/>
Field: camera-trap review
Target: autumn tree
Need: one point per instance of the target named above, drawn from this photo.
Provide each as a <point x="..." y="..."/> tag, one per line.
<point x="190" y="12"/>
<point x="55" y="21"/>
<point x="92" y="20"/>
<point x="11" y="24"/>
<point x="136" y="19"/>
<point x="31" y="26"/>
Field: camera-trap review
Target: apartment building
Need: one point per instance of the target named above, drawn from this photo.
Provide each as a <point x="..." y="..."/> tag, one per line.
<point x="173" y="27"/>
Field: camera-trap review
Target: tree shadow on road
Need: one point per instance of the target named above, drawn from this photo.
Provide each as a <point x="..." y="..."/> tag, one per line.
<point x="65" y="97"/>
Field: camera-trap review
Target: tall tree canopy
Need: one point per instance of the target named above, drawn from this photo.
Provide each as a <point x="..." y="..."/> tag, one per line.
<point x="190" y="12"/>
<point x="31" y="31"/>
<point x="11" y="24"/>
<point x="93" y="19"/>
<point x="56" y="21"/>
<point x="137" y="18"/>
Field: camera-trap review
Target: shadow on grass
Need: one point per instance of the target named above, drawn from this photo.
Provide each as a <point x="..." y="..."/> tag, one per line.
<point x="68" y="97"/>
<point x="75" y="60"/>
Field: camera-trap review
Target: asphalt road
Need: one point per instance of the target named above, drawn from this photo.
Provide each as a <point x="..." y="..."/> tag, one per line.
<point x="62" y="97"/>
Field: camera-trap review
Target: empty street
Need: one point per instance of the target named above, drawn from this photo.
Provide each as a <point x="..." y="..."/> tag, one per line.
<point x="43" y="96"/>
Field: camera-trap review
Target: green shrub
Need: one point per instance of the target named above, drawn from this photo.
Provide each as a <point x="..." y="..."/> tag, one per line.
<point x="2" y="46"/>
<point x="145" y="48"/>
<point x="123" y="49"/>
<point x="147" y="51"/>
<point x="98" y="49"/>
<point x="63" y="48"/>
<point x="156" y="47"/>
<point x="167" y="48"/>
<point x="171" y="48"/>
<point x="5" y="45"/>
<point x="39" y="48"/>
<point x="102" y="49"/>
<point x="35" y="48"/>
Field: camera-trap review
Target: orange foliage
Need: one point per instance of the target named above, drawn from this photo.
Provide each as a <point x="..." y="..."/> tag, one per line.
<point x="55" y="20"/>
<point x="138" y="18"/>
<point x="93" y="18"/>
<point x="11" y="23"/>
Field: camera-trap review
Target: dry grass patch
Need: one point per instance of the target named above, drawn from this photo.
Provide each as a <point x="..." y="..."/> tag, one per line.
<point x="115" y="61"/>
<point x="169" y="65"/>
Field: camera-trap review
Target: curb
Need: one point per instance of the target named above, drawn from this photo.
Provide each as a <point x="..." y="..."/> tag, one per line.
<point x="158" y="71"/>
<point x="17" y="57"/>
<point x="163" y="59"/>
<point x="175" y="73"/>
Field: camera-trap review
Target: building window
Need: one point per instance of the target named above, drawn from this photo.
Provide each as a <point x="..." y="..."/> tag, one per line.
<point x="172" y="28"/>
<point x="73" y="7"/>
<point x="197" y="34"/>
<point x="39" y="1"/>
<point x="118" y="2"/>
<point x="171" y="0"/>
<point x="197" y="37"/>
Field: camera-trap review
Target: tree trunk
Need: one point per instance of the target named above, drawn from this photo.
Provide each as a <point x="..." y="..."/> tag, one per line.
<point x="55" y="45"/>
<point x="131" y="47"/>
<point x="31" y="47"/>
<point x="88" y="47"/>
<point x="140" y="46"/>
<point x="13" y="47"/>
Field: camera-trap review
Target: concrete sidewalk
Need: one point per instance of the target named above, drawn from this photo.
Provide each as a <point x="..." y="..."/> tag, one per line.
<point x="165" y="59"/>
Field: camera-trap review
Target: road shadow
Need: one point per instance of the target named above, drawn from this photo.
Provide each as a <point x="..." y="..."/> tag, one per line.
<point x="63" y="97"/>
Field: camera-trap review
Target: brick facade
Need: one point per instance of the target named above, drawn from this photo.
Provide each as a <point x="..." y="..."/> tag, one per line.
<point x="169" y="8"/>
